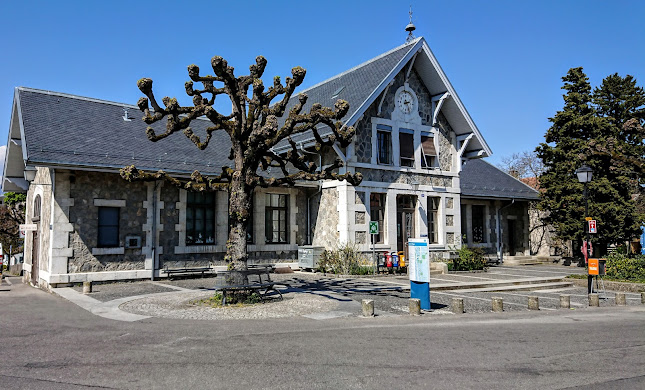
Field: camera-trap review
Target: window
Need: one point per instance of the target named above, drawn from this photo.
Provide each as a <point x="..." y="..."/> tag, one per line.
<point x="377" y="213"/>
<point x="406" y="147"/>
<point x="36" y="213"/>
<point x="384" y="140"/>
<point x="200" y="218"/>
<point x="428" y="149"/>
<point x="276" y="218"/>
<point x="108" y="227"/>
<point x="478" y="223"/>
<point x="433" y="231"/>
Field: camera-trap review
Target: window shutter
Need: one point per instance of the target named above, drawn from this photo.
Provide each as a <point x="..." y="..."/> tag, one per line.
<point x="427" y="143"/>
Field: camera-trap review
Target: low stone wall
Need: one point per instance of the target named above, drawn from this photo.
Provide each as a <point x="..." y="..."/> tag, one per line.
<point x="611" y="285"/>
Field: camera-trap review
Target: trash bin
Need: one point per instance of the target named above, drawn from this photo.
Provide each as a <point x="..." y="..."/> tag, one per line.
<point x="401" y="259"/>
<point x="395" y="259"/>
<point x="388" y="260"/>
<point x="602" y="266"/>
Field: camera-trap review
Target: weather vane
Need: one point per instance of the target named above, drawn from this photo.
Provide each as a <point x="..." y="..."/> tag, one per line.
<point x="410" y="27"/>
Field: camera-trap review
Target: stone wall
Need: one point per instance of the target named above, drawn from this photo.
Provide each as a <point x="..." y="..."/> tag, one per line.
<point x="363" y="139"/>
<point x="404" y="177"/>
<point x="326" y="230"/>
<point x="86" y="188"/>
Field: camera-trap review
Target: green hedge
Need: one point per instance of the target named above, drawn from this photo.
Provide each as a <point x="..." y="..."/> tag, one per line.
<point x="469" y="259"/>
<point x="631" y="269"/>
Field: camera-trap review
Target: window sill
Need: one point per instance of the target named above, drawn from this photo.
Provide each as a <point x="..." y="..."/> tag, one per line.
<point x="108" y="251"/>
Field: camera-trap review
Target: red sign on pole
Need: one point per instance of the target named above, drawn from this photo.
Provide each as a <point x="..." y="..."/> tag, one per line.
<point x="592" y="226"/>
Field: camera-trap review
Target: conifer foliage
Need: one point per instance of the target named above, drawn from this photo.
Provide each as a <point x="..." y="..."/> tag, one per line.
<point x="602" y="128"/>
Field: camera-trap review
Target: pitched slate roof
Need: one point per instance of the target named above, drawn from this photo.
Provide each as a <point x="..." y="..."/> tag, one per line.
<point x="62" y="129"/>
<point x="483" y="180"/>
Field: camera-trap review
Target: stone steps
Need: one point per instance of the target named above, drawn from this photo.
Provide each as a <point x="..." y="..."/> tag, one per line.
<point x="493" y="284"/>
<point x="534" y="286"/>
<point x="526" y="260"/>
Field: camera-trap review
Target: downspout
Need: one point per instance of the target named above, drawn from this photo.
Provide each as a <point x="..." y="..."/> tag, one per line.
<point x="500" y="244"/>
<point x="153" y="241"/>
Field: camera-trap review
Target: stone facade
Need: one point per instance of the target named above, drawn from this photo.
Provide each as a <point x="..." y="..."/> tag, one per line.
<point x="326" y="225"/>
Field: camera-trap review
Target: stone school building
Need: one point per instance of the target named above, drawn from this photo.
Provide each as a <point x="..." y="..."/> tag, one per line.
<point x="414" y="139"/>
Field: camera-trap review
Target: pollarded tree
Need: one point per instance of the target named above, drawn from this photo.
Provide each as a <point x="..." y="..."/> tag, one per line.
<point x="254" y="131"/>
<point x="12" y="214"/>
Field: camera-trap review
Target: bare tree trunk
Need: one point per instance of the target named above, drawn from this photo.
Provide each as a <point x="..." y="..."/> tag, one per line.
<point x="239" y="209"/>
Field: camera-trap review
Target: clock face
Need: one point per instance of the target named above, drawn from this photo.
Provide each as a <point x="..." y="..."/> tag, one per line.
<point x="405" y="102"/>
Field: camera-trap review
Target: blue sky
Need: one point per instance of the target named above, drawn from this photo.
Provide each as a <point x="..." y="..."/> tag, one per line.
<point x="504" y="58"/>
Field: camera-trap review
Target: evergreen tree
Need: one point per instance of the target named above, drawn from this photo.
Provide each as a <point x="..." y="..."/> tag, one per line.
<point x="588" y="131"/>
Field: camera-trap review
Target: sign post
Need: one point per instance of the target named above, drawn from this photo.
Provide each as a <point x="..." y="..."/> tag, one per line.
<point x="419" y="271"/>
<point x="373" y="233"/>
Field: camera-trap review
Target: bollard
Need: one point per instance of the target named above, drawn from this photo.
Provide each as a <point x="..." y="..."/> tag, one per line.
<point x="593" y="300"/>
<point x="87" y="287"/>
<point x="620" y="299"/>
<point x="643" y="297"/>
<point x="457" y="305"/>
<point x="565" y="301"/>
<point x="498" y="304"/>
<point x="368" y="308"/>
<point x="414" y="305"/>
<point x="534" y="303"/>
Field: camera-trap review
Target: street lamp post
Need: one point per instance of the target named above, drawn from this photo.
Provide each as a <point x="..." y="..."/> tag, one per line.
<point x="585" y="174"/>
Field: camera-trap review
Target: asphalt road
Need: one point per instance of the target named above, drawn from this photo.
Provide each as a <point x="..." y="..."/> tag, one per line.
<point x="47" y="342"/>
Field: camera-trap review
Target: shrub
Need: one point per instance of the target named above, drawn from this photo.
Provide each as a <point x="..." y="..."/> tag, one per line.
<point x="345" y="260"/>
<point x="619" y="266"/>
<point x="469" y="259"/>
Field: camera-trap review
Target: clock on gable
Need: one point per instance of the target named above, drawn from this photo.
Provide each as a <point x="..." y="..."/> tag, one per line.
<point x="406" y="102"/>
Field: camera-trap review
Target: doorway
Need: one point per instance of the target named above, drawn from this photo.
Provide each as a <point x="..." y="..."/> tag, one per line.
<point x="405" y="226"/>
<point x="35" y="247"/>
<point x="511" y="237"/>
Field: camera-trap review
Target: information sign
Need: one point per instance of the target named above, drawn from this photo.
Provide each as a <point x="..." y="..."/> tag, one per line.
<point x="27" y="226"/>
<point x="373" y="227"/>
<point x="592" y="226"/>
<point x="419" y="260"/>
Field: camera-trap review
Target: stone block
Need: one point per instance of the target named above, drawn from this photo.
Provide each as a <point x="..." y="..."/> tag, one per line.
<point x="620" y="299"/>
<point x="497" y="304"/>
<point x="593" y="300"/>
<point x="565" y="301"/>
<point x="87" y="287"/>
<point x="457" y="305"/>
<point x="534" y="303"/>
<point x="414" y="306"/>
<point x="368" y="307"/>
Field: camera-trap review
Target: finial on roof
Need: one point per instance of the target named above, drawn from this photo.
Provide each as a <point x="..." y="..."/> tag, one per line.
<point x="410" y="27"/>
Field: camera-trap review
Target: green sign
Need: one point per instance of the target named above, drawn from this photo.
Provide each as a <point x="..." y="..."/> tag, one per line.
<point x="373" y="227"/>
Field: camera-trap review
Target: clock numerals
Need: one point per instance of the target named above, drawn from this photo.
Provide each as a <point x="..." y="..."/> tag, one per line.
<point x="405" y="102"/>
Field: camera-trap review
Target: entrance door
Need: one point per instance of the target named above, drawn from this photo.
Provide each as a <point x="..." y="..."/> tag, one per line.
<point x="405" y="227"/>
<point x="511" y="237"/>
<point x="35" y="264"/>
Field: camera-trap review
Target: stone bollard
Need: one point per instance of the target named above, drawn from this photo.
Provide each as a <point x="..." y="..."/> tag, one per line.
<point x="534" y="303"/>
<point x="620" y="299"/>
<point x="565" y="301"/>
<point x="87" y="287"/>
<point x="643" y="297"/>
<point x="368" y="308"/>
<point x="457" y="305"/>
<point x="498" y="304"/>
<point x="414" y="305"/>
<point x="593" y="300"/>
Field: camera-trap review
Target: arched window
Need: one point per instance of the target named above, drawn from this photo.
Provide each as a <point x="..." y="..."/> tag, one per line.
<point x="36" y="214"/>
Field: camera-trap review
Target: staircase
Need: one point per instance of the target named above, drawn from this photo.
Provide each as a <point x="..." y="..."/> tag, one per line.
<point x="530" y="260"/>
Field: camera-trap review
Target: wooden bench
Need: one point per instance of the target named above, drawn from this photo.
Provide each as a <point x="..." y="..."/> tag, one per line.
<point x="188" y="270"/>
<point x="263" y="288"/>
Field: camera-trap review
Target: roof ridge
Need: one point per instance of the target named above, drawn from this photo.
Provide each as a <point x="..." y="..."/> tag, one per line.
<point x="411" y="43"/>
<point x="77" y="97"/>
